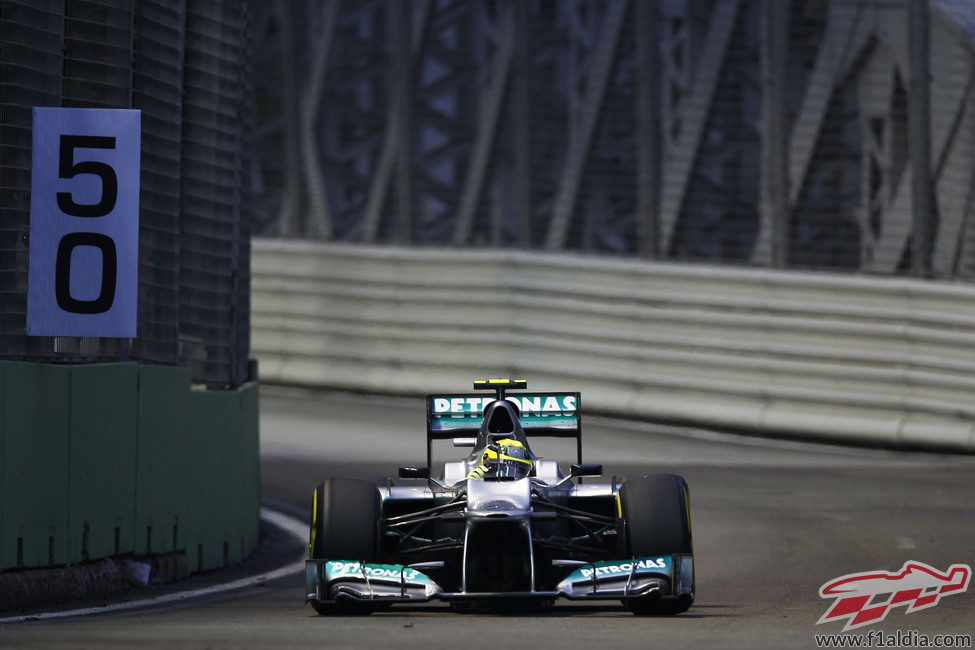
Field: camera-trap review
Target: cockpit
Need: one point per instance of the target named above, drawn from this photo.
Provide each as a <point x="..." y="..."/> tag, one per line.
<point x="501" y="451"/>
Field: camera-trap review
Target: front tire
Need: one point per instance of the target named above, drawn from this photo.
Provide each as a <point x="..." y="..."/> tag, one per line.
<point x="345" y="521"/>
<point x="344" y="526"/>
<point x="656" y="515"/>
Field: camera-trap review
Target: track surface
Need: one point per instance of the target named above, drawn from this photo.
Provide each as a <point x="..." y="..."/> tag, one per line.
<point x="772" y="522"/>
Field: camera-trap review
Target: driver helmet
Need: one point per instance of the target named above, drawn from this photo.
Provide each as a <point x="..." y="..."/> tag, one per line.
<point x="504" y="459"/>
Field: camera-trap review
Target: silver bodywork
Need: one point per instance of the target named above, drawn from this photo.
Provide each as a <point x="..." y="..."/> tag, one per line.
<point x="486" y="502"/>
<point x="540" y="537"/>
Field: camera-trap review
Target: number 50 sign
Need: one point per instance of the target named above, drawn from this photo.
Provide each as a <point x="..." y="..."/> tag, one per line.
<point x="84" y="223"/>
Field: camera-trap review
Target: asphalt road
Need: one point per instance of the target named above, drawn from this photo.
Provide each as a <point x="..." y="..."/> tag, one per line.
<point x="772" y="522"/>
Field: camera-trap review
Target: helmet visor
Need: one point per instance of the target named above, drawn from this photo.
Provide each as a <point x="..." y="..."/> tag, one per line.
<point x="513" y="463"/>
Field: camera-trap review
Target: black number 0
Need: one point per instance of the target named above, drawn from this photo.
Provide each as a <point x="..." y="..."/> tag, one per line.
<point x="62" y="273"/>
<point x="68" y="168"/>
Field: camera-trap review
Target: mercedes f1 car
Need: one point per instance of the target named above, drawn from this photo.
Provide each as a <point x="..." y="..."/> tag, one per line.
<point x="503" y="525"/>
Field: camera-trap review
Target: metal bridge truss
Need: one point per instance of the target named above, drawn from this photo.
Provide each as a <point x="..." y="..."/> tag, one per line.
<point x="747" y="131"/>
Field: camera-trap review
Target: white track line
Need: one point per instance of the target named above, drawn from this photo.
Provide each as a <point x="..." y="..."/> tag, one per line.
<point x="289" y="524"/>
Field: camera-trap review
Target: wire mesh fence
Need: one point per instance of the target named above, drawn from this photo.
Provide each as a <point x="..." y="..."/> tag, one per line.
<point x="186" y="66"/>
<point x="750" y="132"/>
<point x="833" y="135"/>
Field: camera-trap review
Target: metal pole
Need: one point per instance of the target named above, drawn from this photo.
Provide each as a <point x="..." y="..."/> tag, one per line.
<point x="648" y="148"/>
<point x="290" y="216"/>
<point x="402" y="68"/>
<point x="775" y="154"/>
<point x="919" y="138"/>
<point x="521" y="121"/>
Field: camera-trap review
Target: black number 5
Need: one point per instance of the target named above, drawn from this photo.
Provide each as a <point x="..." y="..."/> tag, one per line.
<point x="67" y="168"/>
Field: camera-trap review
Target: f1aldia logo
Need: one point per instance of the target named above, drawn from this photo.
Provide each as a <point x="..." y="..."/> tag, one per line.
<point x="865" y="598"/>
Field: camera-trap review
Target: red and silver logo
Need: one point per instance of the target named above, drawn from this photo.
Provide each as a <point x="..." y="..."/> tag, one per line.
<point x="865" y="598"/>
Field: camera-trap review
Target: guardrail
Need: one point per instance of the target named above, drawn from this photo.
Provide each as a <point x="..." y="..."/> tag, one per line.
<point x="864" y="359"/>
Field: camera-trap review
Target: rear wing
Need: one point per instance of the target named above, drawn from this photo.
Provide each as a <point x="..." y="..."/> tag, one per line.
<point x="460" y="415"/>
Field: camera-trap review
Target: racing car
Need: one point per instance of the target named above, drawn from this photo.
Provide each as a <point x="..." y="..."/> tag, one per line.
<point x="503" y="525"/>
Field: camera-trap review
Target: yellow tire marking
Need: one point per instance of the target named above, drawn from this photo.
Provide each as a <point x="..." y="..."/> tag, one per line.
<point x="314" y="522"/>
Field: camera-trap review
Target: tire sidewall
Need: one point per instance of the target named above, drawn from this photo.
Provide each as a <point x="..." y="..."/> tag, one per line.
<point x="656" y="516"/>
<point x="345" y="521"/>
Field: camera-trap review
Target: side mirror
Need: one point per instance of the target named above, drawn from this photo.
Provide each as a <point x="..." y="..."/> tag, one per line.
<point x="586" y="469"/>
<point x="414" y="472"/>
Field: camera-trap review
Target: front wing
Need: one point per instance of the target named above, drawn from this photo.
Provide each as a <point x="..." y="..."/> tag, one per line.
<point x="668" y="576"/>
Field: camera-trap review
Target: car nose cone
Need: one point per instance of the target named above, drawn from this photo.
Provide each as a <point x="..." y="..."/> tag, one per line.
<point x="499" y="498"/>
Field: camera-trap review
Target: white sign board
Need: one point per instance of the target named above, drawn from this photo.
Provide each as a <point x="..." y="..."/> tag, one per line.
<point x="84" y="222"/>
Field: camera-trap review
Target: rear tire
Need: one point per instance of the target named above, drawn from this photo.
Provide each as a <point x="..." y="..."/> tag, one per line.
<point x="344" y="526"/>
<point x="656" y="515"/>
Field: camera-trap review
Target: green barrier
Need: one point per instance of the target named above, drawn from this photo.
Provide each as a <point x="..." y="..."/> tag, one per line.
<point x="112" y="459"/>
<point x="103" y="427"/>
<point x="34" y="464"/>
<point x="161" y="498"/>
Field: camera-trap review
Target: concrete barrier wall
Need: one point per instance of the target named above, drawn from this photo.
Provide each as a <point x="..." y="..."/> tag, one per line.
<point x="112" y="459"/>
<point x="866" y="359"/>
